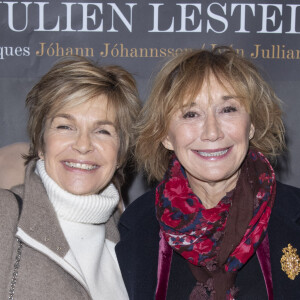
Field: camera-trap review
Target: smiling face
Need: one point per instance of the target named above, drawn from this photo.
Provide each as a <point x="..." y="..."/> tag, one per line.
<point x="81" y="147"/>
<point x="210" y="137"/>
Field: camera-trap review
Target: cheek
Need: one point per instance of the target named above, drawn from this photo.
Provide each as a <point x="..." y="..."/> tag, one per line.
<point x="109" y="150"/>
<point x="53" y="146"/>
<point x="114" y="155"/>
<point x="238" y="131"/>
<point x="183" y="135"/>
<point x="116" y="150"/>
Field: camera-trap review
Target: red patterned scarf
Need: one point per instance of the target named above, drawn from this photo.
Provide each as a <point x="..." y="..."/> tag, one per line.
<point x="216" y="242"/>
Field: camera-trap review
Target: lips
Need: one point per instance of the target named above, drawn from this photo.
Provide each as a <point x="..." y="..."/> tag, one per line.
<point x="82" y="166"/>
<point x="215" y="153"/>
<point x="211" y="154"/>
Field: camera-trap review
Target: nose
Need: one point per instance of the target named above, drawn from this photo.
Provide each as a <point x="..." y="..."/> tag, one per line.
<point x="83" y="143"/>
<point x="212" y="130"/>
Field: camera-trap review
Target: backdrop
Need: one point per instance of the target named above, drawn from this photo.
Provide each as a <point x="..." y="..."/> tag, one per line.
<point x="140" y="36"/>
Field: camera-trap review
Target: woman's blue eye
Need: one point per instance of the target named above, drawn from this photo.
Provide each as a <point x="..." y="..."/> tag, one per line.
<point x="229" y="109"/>
<point x="189" y="114"/>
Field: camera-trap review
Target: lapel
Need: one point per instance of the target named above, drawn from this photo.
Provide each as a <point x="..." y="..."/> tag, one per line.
<point x="38" y="218"/>
<point x="39" y="227"/>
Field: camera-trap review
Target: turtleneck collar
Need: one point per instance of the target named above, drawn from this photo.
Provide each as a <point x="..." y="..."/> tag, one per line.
<point x="89" y="209"/>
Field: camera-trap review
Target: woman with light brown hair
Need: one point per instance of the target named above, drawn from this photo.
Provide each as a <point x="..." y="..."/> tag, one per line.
<point x="58" y="239"/>
<point x="217" y="225"/>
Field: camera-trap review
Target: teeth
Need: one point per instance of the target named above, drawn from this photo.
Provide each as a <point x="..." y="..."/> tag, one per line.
<point x="80" y="166"/>
<point x="211" y="154"/>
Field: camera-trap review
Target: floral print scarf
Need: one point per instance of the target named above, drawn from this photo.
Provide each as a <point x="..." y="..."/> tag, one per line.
<point x="216" y="242"/>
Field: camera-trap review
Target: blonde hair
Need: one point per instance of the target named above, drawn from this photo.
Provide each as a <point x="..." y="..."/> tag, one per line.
<point x="73" y="81"/>
<point x="181" y="79"/>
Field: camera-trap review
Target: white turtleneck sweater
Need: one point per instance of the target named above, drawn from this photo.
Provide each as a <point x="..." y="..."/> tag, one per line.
<point x="82" y="219"/>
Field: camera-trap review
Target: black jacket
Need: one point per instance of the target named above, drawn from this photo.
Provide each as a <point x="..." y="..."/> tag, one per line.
<point x="137" y="252"/>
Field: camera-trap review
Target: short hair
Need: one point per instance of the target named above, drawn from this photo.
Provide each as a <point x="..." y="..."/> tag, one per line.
<point x="76" y="80"/>
<point x="181" y="79"/>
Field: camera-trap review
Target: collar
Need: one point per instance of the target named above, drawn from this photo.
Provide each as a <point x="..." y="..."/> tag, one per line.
<point x="90" y="209"/>
<point x="38" y="218"/>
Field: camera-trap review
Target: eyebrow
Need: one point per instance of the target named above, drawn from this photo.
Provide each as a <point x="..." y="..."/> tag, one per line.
<point x="188" y="105"/>
<point x="71" y="118"/>
<point x="228" y="97"/>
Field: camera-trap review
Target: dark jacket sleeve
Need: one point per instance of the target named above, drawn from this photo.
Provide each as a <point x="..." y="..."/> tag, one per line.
<point x="137" y="251"/>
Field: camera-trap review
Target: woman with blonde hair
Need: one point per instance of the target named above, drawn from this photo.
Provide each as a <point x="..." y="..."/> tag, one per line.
<point x="217" y="225"/>
<point x="58" y="239"/>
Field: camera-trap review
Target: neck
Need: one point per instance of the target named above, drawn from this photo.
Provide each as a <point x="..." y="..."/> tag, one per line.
<point x="211" y="193"/>
<point x="89" y="209"/>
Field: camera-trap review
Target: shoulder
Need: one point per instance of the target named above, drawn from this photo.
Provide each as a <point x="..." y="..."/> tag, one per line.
<point x="287" y="202"/>
<point x="139" y="210"/>
<point x="9" y="209"/>
<point x="7" y="199"/>
<point x="284" y="189"/>
<point x="12" y="164"/>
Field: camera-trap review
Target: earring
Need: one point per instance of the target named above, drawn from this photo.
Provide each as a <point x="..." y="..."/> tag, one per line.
<point x="251" y="135"/>
<point x="41" y="155"/>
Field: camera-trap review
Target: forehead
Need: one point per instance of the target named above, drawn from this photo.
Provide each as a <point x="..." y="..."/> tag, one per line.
<point x="96" y="107"/>
<point x="211" y="89"/>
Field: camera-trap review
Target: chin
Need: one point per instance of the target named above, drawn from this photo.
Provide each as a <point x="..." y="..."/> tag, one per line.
<point x="80" y="192"/>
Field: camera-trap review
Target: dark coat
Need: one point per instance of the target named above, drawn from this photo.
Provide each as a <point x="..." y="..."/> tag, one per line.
<point x="138" y="252"/>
